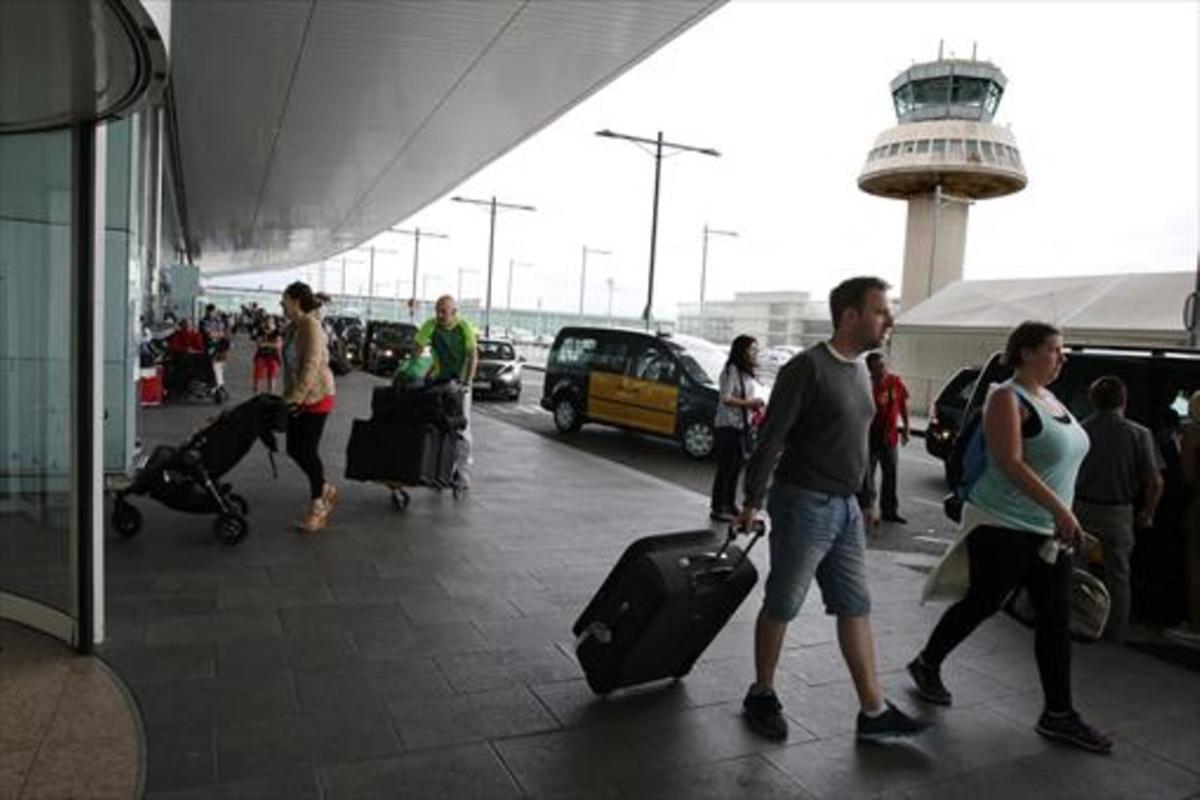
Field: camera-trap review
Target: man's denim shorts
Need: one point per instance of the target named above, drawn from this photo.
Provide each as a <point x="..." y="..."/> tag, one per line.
<point x="814" y="533"/>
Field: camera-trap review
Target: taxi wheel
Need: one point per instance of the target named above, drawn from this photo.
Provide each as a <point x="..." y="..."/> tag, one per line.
<point x="698" y="438"/>
<point x="567" y="416"/>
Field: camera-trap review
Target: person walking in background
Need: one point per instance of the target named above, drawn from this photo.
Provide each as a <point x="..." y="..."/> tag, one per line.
<point x="308" y="388"/>
<point x="453" y="341"/>
<point x="216" y="341"/>
<point x="816" y="429"/>
<point x="267" y="355"/>
<point x="733" y="426"/>
<point x="891" y="404"/>
<point x="1118" y="490"/>
<point x="1189" y="461"/>
<point x="1018" y="529"/>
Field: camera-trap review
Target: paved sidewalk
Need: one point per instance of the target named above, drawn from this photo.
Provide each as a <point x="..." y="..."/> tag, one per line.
<point x="428" y="654"/>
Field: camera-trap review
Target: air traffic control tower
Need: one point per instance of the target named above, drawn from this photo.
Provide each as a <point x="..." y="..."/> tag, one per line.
<point x="944" y="154"/>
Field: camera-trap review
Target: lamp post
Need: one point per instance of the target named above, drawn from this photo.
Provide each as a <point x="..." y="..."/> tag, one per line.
<point x="416" y="233"/>
<point x="659" y="144"/>
<point x="609" y="282"/>
<point x="512" y="265"/>
<point x="583" y="272"/>
<point x="492" y="204"/>
<point x="704" y="262"/>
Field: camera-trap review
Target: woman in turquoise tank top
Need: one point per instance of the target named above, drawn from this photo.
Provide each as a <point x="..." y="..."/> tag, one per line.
<point x="1020" y="530"/>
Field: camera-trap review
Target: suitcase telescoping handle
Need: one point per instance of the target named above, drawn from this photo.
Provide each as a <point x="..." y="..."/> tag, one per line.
<point x="757" y="529"/>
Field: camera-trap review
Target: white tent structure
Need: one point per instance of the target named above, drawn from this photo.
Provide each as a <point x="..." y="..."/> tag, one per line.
<point x="969" y="320"/>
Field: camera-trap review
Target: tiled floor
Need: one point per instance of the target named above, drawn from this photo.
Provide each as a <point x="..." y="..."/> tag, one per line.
<point x="428" y="654"/>
<point x="67" y="727"/>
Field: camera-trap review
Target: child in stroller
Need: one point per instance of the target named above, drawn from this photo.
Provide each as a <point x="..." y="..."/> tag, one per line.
<point x="188" y="367"/>
<point x="188" y="478"/>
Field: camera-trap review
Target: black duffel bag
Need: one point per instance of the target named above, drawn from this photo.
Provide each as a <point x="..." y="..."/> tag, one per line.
<point x="439" y="404"/>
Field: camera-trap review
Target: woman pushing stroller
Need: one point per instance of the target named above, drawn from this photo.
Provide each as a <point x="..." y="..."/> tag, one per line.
<point x="308" y="388"/>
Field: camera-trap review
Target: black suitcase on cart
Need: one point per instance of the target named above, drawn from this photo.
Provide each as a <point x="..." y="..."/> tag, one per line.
<point x="438" y="404"/>
<point x="663" y="603"/>
<point x="415" y="455"/>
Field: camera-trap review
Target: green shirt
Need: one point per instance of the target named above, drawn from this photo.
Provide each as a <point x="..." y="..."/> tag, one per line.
<point x="451" y="346"/>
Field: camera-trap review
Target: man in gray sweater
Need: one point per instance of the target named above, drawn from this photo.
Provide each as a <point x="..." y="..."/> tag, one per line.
<point x="816" y="429"/>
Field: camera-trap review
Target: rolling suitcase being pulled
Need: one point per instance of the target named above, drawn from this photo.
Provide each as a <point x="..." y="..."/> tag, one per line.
<point x="416" y="455"/>
<point x="663" y="603"/>
<point x="439" y="404"/>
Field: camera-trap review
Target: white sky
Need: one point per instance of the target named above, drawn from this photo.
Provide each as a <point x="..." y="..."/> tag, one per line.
<point x="1102" y="98"/>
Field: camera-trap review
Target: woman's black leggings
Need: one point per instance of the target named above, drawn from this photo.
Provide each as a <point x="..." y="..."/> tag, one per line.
<point x="1000" y="561"/>
<point x="304" y="446"/>
<point x="728" y="446"/>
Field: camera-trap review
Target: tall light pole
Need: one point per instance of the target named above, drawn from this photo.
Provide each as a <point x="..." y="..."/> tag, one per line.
<point x="609" y="282"/>
<point x="704" y="262"/>
<point x="416" y="233"/>
<point x="492" y="204"/>
<point x="512" y="265"/>
<point x="659" y="144"/>
<point x="583" y="272"/>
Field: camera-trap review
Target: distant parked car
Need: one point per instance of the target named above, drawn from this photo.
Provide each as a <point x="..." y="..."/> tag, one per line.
<point x="387" y="344"/>
<point x="499" y="373"/>
<point x="946" y="412"/>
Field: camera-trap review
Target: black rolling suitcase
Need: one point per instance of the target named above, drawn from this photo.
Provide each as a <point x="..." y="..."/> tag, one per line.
<point x="663" y="603"/>
<point x="438" y="404"/>
<point x="415" y="455"/>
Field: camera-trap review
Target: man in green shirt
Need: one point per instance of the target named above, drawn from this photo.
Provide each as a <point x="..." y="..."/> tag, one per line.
<point x="455" y="355"/>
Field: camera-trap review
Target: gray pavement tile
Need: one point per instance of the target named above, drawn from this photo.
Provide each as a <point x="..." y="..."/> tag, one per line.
<point x="1173" y="738"/>
<point x="1000" y="781"/>
<point x="575" y="705"/>
<point x="701" y="735"/>
<point x="322" y="571"/>
<point x="173" y="706"/>
<point x="136" y="664"/>
<point x="181" y="758"/>
<point x="429" y="610"/>
<point x="416" y="641"/>
<point x="530" y="631"/>
<point x="1104" y="711"/>
<point x="750" y="776"/>
<point x="506" y="668"/>
<point x="563" y="763"/>
<point x="210" y="628"/>
<point x="312" y="650"/>
<point x="157" y="605"/>
<point x="269" y="598"/>
<point x="339" y="618"/>
<point x="383" y="590"/>
<point x="426" y="723"/>
<point x="1128" y="772"/>
<point x="842" y="767"/>
<point x="459" y="773"/>
<point x="370" y="685"/>
<point x="298" y="784"/>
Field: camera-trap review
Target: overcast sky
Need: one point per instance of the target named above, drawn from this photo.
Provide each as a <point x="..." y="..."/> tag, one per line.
<point x="1102" y="98"/>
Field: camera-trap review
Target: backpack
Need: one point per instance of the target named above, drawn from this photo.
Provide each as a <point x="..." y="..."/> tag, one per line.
<point x="967" y="462"/>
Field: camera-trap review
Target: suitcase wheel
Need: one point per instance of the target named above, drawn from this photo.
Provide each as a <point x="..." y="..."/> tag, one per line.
<point x="400" y="499"/>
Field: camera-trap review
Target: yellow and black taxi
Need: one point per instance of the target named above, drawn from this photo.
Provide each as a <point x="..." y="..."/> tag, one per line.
<point x="653" y="383"/>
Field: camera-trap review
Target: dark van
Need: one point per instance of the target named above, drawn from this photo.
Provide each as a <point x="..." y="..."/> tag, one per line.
<point x="1160" y="381"/>
<point x="652" y="383"/>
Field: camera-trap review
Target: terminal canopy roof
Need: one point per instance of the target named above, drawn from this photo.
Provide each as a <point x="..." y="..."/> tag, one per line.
<point x="301" y="129"/>
<point x="1147" y="303"/>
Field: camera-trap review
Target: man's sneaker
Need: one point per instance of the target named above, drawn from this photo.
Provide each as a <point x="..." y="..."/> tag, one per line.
<point x="1071" y="728"/>
<point x="1185" y="635"/>
<point x="929" y="683"/>
<point x="891" y="724"/>
<point x="764" y="714"/>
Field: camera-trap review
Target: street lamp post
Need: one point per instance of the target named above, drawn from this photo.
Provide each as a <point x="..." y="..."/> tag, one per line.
<point x="609" y="282"/>
<point x="416" y="233"/>
<point x="659" y="144"/>
<point x="492" y="204"/>
<point x="704" y="262"/>
<point x="583" y="272"/>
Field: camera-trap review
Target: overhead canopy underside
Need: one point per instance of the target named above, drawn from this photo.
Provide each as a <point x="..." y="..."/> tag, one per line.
<point x="305" y="128"/>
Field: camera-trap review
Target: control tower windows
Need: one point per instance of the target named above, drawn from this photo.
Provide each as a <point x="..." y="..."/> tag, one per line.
<point x="956" y="149"/>
<point x="969" y="91"/>
<point x="973" y="153"/>
<point x="993" y="99"/>
<point x="931" y="92"/>
<point x="939" y="146"/>
<point x="893" y="149"/>
<point x="923" y="146"/>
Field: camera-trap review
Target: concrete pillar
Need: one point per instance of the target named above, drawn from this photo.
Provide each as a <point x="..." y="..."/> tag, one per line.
<point x="935" y="245"/>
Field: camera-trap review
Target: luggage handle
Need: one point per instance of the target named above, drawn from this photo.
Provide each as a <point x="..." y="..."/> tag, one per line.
<point x="757" y="529"/>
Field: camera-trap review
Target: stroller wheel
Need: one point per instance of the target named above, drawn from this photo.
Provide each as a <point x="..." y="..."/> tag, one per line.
<point x="230" y="528"/>
<point x="126" y="519"/>
<point x="239" y="503"/>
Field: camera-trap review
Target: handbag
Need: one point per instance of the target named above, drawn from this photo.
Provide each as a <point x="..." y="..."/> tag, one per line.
<point x="1090" y="605"/>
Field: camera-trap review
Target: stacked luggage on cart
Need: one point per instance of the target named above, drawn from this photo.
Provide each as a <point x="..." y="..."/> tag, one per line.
<point x="411" y="439"/>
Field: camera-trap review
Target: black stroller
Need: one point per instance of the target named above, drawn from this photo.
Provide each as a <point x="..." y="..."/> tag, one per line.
<point x="187" y="478"/>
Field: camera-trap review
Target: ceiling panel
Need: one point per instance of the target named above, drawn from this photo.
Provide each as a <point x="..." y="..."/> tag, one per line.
<point x="308" y="127"/>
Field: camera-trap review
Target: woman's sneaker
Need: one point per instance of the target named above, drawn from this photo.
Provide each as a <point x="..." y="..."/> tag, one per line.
<point x="316" y="518"/>
<point x="891" y="724"/>
<point x="330" y="497"/>
<point x="764" y="714"/>
<point x="929" y="682"/>
<point x="1069" y="727"/>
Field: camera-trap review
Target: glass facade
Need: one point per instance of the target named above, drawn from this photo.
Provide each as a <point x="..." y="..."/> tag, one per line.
<point x="37" y="372"/>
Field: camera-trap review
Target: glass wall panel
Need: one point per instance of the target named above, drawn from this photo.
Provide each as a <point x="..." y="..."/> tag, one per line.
<point x="37" y="408"/>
